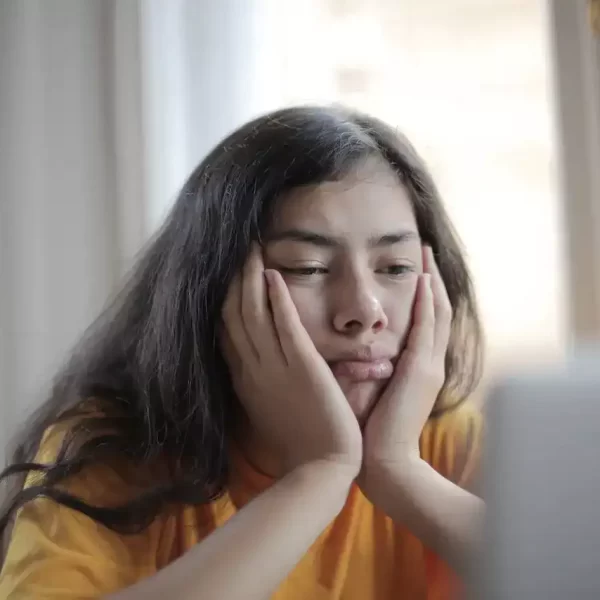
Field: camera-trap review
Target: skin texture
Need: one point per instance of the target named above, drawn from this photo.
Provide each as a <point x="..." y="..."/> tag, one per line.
<point x="357" y="293"/>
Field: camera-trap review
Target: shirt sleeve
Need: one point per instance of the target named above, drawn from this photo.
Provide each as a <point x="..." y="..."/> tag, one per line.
<point x="59" y="553"/>
<point x="453" y="445"/>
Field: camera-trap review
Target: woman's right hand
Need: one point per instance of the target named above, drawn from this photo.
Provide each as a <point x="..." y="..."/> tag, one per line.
<point x="287" y="389"/>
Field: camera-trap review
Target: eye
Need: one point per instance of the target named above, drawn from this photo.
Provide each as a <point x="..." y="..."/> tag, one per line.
<point x="396" y="270"/>
<point x="303" y="271"/>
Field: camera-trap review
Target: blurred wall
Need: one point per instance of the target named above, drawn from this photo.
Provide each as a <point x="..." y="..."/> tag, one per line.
<point x="576" y="59"/>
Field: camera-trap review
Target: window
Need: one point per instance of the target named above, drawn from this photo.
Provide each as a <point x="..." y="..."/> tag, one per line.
<point x="469" y="82"/>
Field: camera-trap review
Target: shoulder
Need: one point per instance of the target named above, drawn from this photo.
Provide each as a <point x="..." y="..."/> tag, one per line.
<point x="57" y="550"/>
<point x="452" y="443"/>
<point x="95" y="468"/>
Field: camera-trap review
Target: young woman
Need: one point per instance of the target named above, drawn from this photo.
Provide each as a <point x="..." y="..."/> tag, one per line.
<point x="276" y="403"/>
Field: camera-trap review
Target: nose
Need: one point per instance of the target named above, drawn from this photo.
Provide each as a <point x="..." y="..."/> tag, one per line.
<point x="359" y="309"/>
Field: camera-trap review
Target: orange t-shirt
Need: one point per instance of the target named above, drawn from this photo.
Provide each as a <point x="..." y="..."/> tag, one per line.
<point x="57" y="553"/>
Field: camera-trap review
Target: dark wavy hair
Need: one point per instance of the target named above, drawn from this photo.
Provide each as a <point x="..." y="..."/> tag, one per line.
<point x="152" y="358"/>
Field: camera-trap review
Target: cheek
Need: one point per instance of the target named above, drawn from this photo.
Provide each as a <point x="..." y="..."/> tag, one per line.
<point x="311" y="308"/>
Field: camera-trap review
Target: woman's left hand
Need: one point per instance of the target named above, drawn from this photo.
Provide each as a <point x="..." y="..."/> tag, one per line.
<point x="393" y="430"/>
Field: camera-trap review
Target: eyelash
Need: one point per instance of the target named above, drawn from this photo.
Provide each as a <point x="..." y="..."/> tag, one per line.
<point x="403" y="270"/>
<point x="392" y="271"/>
<point x="304" y="271"/>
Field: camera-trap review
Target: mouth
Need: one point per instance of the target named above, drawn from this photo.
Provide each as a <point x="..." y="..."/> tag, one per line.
<point x="363" y="370"/>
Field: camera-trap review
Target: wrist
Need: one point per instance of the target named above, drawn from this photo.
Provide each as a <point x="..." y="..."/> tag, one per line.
<point x="326" y="478"/>
<point x="386" y="481"/>
<point x="325" y="472"/>
<point x="402" y="462"/>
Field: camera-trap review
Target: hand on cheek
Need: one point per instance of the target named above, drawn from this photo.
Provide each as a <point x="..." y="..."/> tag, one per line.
<point x="285" y="386"/>
<point x="394" y="427"/>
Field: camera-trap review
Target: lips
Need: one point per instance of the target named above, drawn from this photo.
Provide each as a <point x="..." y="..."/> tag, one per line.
<point x="363" y="370"/>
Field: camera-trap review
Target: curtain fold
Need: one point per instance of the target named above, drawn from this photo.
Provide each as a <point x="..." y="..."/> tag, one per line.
<point x="105" y="107"/>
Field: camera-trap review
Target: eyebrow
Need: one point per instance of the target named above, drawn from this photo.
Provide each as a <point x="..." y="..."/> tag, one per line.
<point x="326" y="241"/>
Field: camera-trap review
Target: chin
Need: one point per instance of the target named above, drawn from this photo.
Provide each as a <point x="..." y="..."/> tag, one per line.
<point x="362" y="397"/>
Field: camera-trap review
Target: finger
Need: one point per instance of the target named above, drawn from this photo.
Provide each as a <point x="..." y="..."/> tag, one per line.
<point x="441" y="304"/>
<point x="290" y="331"/>
<point x="419" y="344"/>
<point x="422" y="334"/>
<point x="232" y="319"/>
<point x="256" y="315"/>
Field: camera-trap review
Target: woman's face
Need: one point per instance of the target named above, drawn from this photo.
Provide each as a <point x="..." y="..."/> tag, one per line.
<point x="350" y="254"/>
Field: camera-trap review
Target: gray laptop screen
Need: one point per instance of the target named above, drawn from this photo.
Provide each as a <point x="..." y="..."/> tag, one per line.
<point x="542" y="487"/>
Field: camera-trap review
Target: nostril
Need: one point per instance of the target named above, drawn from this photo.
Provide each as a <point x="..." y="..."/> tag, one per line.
<point x="378" y="325"/>
<point x="352" y="325"/>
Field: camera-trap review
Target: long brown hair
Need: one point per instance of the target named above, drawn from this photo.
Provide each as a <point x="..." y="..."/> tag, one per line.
<point x="152" y="356"/>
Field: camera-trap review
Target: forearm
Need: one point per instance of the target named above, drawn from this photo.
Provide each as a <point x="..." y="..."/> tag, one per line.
<point x="446" y="518"/>
<point x="252" y="553"/>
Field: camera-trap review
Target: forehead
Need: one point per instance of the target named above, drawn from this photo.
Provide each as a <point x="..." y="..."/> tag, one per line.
<point x="370" y="199"/>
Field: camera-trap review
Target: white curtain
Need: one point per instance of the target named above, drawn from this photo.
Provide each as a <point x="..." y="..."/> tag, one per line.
<point x="61" y="234"/>
<point x="208" y="66"/>
<point x="105" y="106"/>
